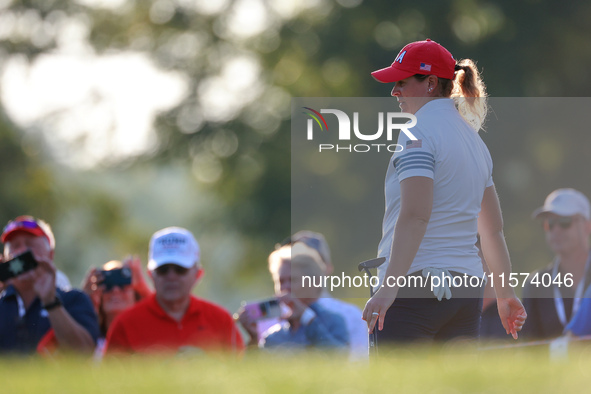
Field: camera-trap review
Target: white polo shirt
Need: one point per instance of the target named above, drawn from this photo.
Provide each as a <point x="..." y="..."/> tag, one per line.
<point x="451" y="153"/>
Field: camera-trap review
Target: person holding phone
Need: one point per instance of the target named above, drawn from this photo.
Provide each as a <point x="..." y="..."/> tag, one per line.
<point x="31" y="304"/>
<point x="306" y="323"/>
<point x="256" y="317"/>
<point x="114" y="288"/>
<point x="439" y="194"/>
<point x="358" y="340"/>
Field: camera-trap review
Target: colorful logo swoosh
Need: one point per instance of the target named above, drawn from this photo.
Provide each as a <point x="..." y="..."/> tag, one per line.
<point x="315" y="115"/>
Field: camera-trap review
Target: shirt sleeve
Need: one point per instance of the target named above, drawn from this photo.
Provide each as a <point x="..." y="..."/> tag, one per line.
<point x="79" y="306"/>
<point x="417" y="157"/>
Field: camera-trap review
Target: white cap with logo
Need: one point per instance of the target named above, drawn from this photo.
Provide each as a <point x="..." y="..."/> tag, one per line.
<point x="173" y="245"/>
<point x="565" y="202"/>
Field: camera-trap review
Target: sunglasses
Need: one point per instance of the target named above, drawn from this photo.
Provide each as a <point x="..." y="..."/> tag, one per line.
<point x="564" y="222"/>
<point x="18" y="224"/>
<point x="163" y="269"/>
<point x="310" y="242"/>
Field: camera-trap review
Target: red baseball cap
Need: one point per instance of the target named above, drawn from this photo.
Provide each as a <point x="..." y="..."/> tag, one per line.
<point x="419" y="57"/>
<point x="28" y="224"/>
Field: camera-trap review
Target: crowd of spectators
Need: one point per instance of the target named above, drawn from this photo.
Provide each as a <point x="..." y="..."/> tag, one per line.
<point x="117" y="311"/>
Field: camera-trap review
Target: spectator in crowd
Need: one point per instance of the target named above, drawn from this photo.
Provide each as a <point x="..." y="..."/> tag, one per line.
<point x="356" y="327"/>
<point x="115" y="287"/>
<point x="61" y="280"/>
<point x="172" y="319"/>
<point x="549" y="300"/>
<point x="110" y="298"/>
<point x="307" y="324"/>
<point x="32" y="305"/>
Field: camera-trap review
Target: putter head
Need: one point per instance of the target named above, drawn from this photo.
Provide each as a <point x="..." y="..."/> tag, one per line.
<point x="369" y="264"/>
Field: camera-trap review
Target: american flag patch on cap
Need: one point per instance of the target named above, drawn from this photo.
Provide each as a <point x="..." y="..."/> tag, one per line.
<point x="425" y="67"/>
<point x="414" y="144"/>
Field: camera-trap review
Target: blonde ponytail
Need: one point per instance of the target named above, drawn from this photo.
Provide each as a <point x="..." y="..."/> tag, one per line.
<point x="469" y="93"/>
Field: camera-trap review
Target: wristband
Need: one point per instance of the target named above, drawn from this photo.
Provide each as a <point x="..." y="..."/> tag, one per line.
<point x="52" y="305"/>
<point x="307" y="316"/>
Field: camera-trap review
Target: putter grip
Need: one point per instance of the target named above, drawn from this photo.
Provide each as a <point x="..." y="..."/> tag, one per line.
<point x="373" y="263"/>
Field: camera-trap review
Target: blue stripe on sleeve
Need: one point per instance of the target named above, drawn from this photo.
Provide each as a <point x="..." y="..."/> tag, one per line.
<point x="422" y="155"/>
<point x="414" y="161"/>
<point x="404" y="164"/>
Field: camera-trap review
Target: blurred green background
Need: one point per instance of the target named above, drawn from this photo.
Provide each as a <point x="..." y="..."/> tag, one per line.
<point x="120" y="117"/>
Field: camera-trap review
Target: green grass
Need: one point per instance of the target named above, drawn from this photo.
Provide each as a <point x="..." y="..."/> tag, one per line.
<point x="450" y="369"/>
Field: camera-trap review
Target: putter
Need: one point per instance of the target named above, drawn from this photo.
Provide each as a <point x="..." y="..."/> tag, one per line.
<point x="366" y="266"/>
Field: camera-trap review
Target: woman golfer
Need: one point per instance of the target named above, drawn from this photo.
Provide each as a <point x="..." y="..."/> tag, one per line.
<point x="439" y="196"/>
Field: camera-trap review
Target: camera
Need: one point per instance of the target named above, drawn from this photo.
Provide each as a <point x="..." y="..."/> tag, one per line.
<point x="117" y="277"/>
<point x="265" y="309"/>
<point x="17" y="266"/>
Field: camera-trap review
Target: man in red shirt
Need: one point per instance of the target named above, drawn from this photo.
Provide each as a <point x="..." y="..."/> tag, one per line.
<point x="172" y="319"/>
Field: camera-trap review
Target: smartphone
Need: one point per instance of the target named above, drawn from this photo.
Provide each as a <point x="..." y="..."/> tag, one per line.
<point x="17" y="266"/>
<point x="118" y="277"/>
<point x="265" y="309"/>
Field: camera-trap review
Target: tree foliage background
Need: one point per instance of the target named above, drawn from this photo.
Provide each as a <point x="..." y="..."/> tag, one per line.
<point x="220" y="162"/>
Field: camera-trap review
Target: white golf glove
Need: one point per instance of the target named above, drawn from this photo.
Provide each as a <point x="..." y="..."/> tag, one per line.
<point x="442" y="290"/>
